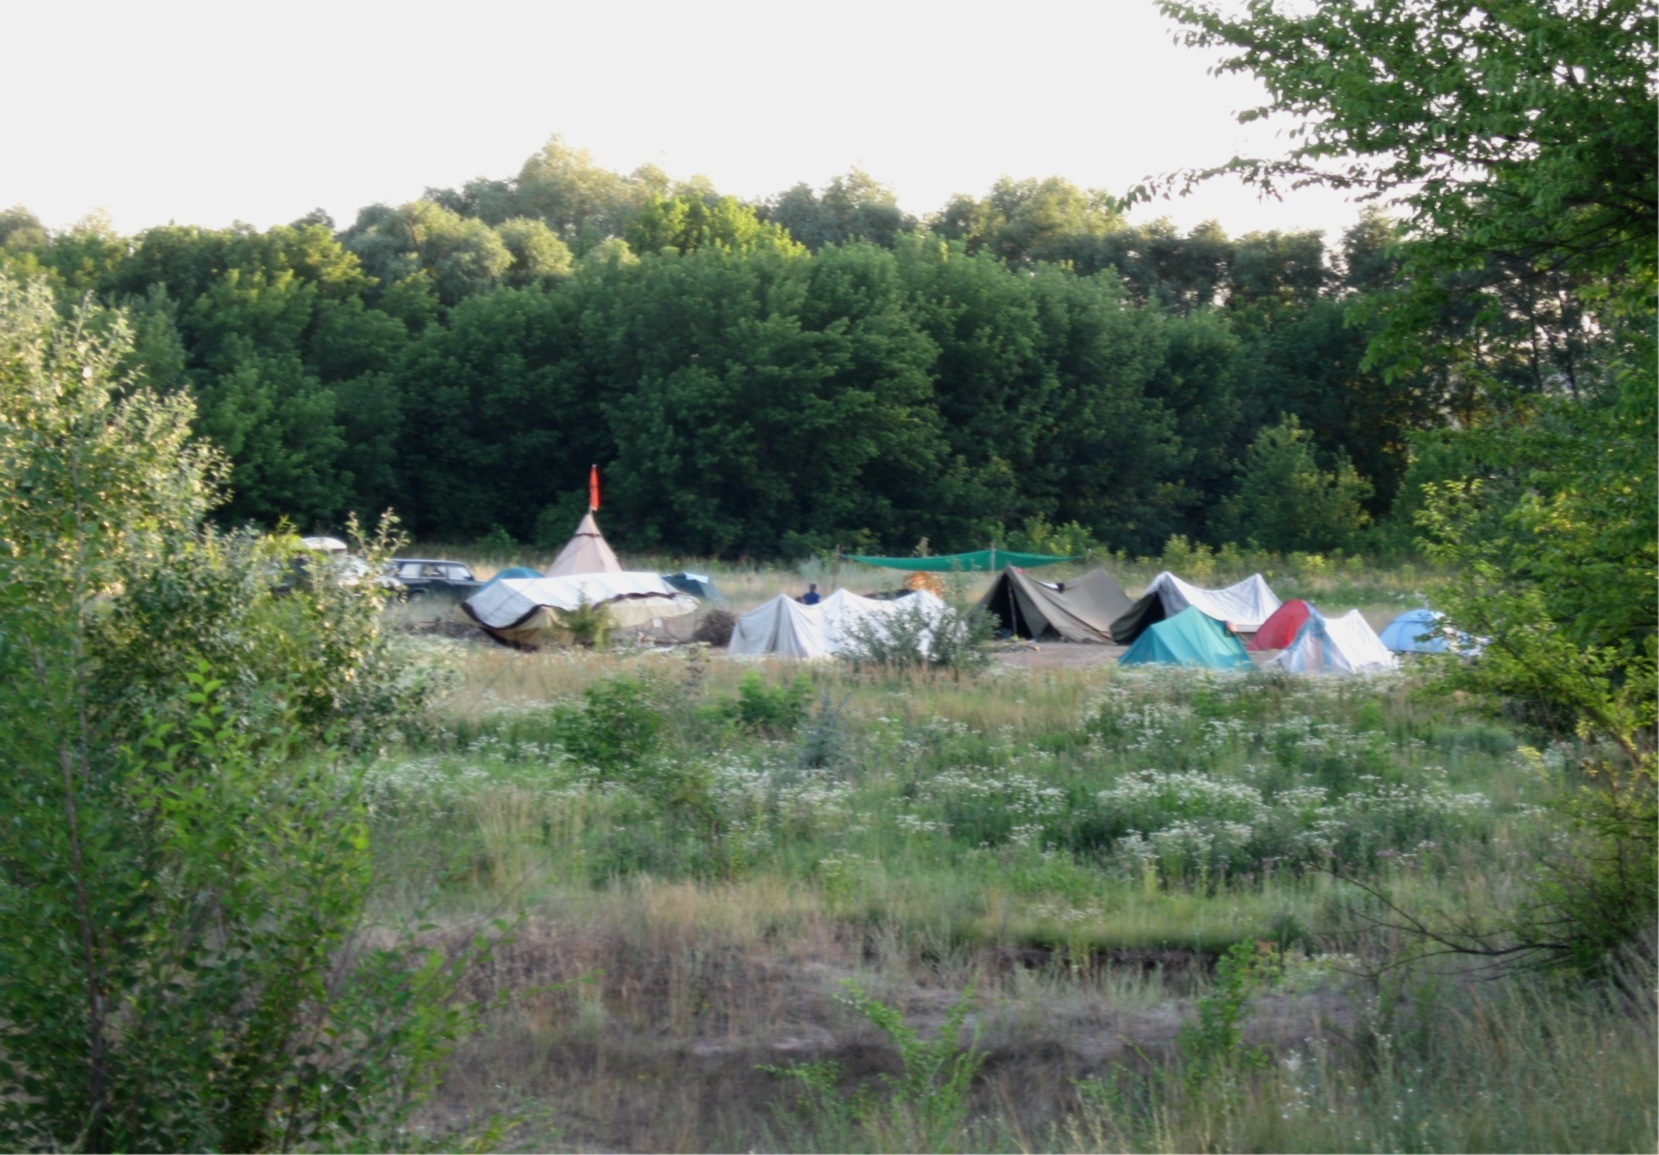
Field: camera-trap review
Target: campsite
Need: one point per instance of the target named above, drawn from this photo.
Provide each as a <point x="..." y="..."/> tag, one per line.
<point x="779" y="848"/>
<point x="544" y="652"/>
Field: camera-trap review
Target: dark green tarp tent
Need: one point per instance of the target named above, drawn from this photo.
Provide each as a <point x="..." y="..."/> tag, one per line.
<point x="1190" y="638"/>
<point x="1080" y="610"/>
<point x="978" y="561"/>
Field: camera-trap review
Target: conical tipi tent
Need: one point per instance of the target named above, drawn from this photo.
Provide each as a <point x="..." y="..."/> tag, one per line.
<point x="585" y="552"/>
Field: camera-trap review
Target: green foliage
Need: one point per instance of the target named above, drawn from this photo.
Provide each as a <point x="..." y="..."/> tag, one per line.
<point x="1523" y="131"/>
<point x="1068" y="540"/>
<point x="207" y="595"/>
<point x="688" y="223"/>
<point x="926" y="1105"/>
<point x="775" y="711"/>
<point x="1287" y="503"/>
<point x="617" y="727"/>
<point x="1212" y="1045"/>
<point x="587" y="625"/>
<point x="229" y="870"/>
<point x="498" y="541"/>
<point x="1521" y="139"/>
<point x="184" y="865"/>
<point x="922" y="634"/>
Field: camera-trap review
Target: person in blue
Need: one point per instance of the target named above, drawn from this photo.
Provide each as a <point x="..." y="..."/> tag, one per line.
<point x="811" y="598"/>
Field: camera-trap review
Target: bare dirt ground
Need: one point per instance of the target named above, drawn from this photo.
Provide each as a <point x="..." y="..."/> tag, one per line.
<point x="1057" y="655"/>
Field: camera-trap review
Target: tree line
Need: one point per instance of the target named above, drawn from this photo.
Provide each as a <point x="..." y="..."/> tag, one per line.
<point x="818" y="369"/>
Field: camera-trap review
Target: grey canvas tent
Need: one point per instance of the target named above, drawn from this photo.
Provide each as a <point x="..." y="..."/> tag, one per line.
<point x="1079" y="610"/>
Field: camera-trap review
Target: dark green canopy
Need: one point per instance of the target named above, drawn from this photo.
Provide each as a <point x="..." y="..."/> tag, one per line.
<point x="978" y="561"/>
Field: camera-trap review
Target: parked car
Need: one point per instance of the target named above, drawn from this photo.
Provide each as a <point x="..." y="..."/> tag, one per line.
<point x="422" y="576"/>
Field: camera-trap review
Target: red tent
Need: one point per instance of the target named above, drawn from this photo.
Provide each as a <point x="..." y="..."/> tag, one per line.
<point x="1279" y="630"/>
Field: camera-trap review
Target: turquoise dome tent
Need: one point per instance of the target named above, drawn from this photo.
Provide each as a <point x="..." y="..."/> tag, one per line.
<point x="1190" y="638"/>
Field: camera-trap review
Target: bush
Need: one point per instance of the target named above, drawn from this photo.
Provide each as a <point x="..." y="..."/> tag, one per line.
<point x="922" y="634"/>
<point x="775" y="711"/>
<point x="617" y="727"/>
<point x="587" y="625"/>
<point x="184" y="864"/>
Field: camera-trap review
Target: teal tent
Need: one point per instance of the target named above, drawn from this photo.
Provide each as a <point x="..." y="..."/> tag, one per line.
<point x="978" y="561"/>
<point x="515" y="571"/>
<point x="1190" y="638"/>
<point x="698" y="585"/>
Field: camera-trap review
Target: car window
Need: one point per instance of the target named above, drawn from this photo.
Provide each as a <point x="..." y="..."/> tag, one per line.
<point x="458" y="573"/>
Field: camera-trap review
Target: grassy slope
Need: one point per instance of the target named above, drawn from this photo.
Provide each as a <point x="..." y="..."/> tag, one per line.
<point x="1075" y="845"/>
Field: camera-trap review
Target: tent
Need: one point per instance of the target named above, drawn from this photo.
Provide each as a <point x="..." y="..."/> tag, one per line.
<point x="518" y="609"/>
<point x="1190" y="638"/>
<point x="785" y="627"/>
<point x="1345" y="645"/>
<point x="513" y="571"/>
<point x="846" y="614"/>
<point x="585" y="552"/>
<point x="976" y="561"/>
<point x="1279" y="630"/>
<point x="324" y="544"/>
<point x="1416" y="632"/>
<point x="698" y="585"/>
<point x="1244" y="606"/>
<point x="1078" y="611"/>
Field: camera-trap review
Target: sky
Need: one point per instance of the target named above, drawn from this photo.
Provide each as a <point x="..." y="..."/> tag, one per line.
<point x="209" y="113"/>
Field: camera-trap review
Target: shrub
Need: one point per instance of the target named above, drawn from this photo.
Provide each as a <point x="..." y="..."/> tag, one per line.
<point x="774" y="711"/>
<point x="587" y="625"/>
<point x="617" y="727"/>
<point x="184" y="862"/>
<point x="922" y="634"/>
<point x="926" y="1105"/>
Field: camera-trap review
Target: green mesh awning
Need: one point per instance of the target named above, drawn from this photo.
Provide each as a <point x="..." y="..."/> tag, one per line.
<point x="979" y="561"/>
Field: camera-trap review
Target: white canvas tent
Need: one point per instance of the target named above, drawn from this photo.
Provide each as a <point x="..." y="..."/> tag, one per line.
<point x="586" y="552"/>
<point x="517" y="609"/>
<point x="1345" y="645"/>
<point x="1246" y="605"/>
<point x="786" y="628"/>
<point x="783" y="626"/>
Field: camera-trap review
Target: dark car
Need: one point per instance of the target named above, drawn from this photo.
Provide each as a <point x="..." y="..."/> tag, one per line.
<point x="427" y="576"/>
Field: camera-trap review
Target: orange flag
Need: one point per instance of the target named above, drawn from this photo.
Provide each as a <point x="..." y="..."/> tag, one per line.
<point x="593" y="487"/>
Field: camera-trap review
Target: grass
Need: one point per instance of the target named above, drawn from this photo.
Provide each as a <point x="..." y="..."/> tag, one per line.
<point x="1077" y="846"/>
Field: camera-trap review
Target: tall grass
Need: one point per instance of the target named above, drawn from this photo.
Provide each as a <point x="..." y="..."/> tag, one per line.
<point x="1078" y="846"/>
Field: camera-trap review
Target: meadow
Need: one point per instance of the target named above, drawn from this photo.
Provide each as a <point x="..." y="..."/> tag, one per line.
<point x="756" y="905"/>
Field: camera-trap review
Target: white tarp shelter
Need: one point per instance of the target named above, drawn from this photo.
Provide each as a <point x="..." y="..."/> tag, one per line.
<point x="586" y="552"/>
<point x="1345" y="645"/>
<point x="1244" y="606"/>
<point x="786" y="628"/>
<point x="519" y="608"/>
<point x="783" y="626"/>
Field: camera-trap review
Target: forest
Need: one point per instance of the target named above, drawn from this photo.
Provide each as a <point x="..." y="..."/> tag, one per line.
<point x="820" y="370"/>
